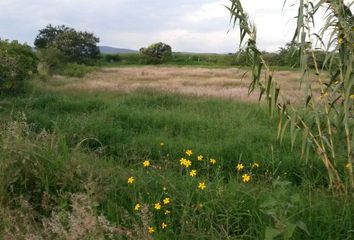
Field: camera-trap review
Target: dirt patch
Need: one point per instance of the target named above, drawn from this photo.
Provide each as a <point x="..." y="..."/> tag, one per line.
<point x="229" y="83"/>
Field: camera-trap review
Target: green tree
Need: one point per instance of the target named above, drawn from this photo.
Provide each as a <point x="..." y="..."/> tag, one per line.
<point x="157" y="53"/>
<point x="17" y="64"/>
<point x="47" y="35"/>
<point x="75" y="46"/>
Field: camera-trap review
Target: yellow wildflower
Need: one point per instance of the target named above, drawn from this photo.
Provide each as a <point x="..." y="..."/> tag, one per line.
<point x="255" y="165"/>
<point x="189" y="152"/>
<point x="324" y="95"/>
<point x="200" y="158"/>
<point x="157" y="206"/>
<point x="246" y="178"/>
<point x="167" y="212"/>
<point x="340" y="40"/>
<point x="146" y="163"/>
<point x="349" y="165"/>
<point x="151" y="230"/>
<point x="193" y="173"/>
<point x="351" y="96"/>
<point x="240" y="166"/>
<point x="162" y="144"/>
<point x="187" y="163"/>
<point x="137" y="207"/>
<point x="166" y="201"/>
<point x="131" y="180"/>
<point x="202" y="185"/>
<point x="164" y="225"/>
<point x="212" y="161"/>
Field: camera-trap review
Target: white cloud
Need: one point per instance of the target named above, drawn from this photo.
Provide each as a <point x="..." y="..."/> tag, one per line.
<point x="188" y="25"/>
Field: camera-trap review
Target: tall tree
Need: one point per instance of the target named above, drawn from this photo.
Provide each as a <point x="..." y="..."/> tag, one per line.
<point x="75" y="46"/>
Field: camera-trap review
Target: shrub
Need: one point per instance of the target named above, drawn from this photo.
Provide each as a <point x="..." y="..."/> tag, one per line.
<point x="17" y="64"/>
<point x="51" y="59"/>
<point x="75" y="70"/>
<point x="112" y="58"/>
<point x="156" y="53"/>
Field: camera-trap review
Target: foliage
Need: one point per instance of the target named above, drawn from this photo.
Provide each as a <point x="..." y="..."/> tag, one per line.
<point x="51" y="59"/>
<point x="112" y="58"/>
<point x="17" y="64"/>
<point x="75" y="70"/>
<point x="326" y="122"/>
<point x="156" y="53"/>
<point x="75" y="46"/>
<point x="47" y="36"/>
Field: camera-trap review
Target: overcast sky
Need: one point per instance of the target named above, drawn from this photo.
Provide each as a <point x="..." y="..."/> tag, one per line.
<point x="187" y="25"/>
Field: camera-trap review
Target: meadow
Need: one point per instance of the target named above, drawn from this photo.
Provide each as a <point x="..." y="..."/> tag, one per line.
<point x="129" y="153"/>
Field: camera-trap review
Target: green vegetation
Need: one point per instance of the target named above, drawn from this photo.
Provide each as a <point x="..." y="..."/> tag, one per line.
<point x="17" y="64"/>
<point x="152" y="165"/>
<point x="66" y="159"/>
<point x="156" y="53"/>
<point x="285" y="58"/>
<point x="74" y="46"/>
<point x="65" y="51"/>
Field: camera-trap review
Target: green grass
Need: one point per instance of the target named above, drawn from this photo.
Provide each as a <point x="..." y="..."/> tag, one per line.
<point x="94" y="142"/>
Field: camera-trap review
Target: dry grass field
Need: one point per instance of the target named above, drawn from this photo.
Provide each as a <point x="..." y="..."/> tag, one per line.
<point x="231" y="83"/>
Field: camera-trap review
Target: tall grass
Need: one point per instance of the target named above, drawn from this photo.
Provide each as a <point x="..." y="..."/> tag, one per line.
<point x="75" y="172"/>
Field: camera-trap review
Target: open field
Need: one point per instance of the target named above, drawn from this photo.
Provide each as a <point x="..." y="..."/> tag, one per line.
<point x="70" y="146"/>
<point x="229" y="83"/>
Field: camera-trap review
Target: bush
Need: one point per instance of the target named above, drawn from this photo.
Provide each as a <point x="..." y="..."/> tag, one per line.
<point x="112" y="58"/>
<point x="17" y="64"/>
<point x="75" y="70"/>
<point x="156" y="53"/>
<point x="51" y="59"/>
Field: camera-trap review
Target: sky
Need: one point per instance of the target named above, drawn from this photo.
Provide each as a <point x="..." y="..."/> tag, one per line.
<point x="186" y="25"/>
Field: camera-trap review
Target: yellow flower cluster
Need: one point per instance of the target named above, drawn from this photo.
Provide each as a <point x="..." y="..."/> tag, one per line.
<point x="246" y="177"/>
<point x="163" y="205"/>
<point x="185" y="162"/>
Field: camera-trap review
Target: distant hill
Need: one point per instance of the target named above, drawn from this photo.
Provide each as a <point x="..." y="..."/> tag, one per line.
<point x="113" y="50"/>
